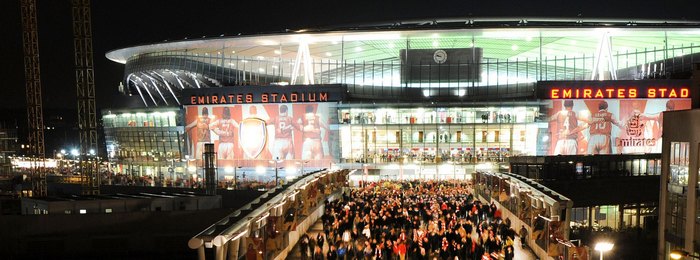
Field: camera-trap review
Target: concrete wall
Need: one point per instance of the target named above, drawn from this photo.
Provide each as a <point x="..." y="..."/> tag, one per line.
<point x="686" y="128"/>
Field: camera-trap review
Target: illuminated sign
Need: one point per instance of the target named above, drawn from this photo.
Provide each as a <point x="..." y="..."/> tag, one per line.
<point x="634" y="131"/>
<point x="264" y="94"/>
<point x="618" y="92"/>
<point x="258" y="98"/>
<point x="251" y="134"/>
<point x="615" y="89"/>
<point x="608" y="126"/>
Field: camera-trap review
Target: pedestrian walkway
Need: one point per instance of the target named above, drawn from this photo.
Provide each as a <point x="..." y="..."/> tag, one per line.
<point x="313" y="232"/>
<point x="520" y="253"/>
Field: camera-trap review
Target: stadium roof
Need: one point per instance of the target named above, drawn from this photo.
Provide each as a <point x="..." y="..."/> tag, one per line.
<point x="506" y="38"/>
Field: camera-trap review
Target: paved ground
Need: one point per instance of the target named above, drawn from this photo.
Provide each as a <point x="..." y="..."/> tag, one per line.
<point x="520" y="254"/>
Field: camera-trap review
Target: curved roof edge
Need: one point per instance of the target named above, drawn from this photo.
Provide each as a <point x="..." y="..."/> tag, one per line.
<point x="120" y="55"/>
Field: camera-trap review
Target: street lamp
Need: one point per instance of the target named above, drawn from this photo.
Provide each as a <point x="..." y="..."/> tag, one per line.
<point x="302" y="166"/>
<point x="603" y="247"/>
<point x="679" y="254"/>
<point x="276" y="161"/>
<point x="233" y="170"/>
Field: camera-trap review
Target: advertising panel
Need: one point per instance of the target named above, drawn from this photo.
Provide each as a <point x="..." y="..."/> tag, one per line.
<point x="608" y="126"/>
<point x="249" y="133"/>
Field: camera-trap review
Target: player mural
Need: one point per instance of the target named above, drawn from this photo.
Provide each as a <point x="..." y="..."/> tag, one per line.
<point x="245" y="132"/>
<point x="608" y="126"/>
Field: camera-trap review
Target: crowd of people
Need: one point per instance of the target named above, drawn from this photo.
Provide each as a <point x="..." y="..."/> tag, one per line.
<point x="411" y="220"/>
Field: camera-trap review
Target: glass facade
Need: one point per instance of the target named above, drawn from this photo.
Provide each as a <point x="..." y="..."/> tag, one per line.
<point x="436" y="134"/>
<point x="144" y="143"/>
<point x="614" y="217"/>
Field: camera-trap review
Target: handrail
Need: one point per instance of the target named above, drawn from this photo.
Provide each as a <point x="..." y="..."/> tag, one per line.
<point x="231" y="230"/>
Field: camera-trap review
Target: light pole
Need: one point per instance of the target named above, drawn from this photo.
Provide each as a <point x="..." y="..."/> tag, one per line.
<point x="603" y="247"/>
<point x="276" y="161"/>
<point x="235" y="177"/>
<point x="302" y="166"/>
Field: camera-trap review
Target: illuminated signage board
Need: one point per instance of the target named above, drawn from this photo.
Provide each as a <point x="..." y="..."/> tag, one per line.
<point x="618" y="89"/>
<point x="617" y="92"/>
<point x="610" y="117"/>
<point x="250" y="135"/>
<point x="264" y="94"/>
<point x="239" y="98"/>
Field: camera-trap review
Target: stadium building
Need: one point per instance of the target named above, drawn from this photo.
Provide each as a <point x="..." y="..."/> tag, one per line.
<point x="428" y="99"/>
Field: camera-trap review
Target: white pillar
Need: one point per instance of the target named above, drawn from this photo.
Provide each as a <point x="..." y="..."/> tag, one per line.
<point x="233" y="247"/>
<point x="303" y="56"/>
<point x="200" y="253"/>
<point x="603" y="54"/>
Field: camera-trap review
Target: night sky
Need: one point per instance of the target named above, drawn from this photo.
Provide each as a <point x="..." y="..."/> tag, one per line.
<point x="123" y="23"/>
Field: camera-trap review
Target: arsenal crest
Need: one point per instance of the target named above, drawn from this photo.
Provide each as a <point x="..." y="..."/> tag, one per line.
<point x="252" y="136"/>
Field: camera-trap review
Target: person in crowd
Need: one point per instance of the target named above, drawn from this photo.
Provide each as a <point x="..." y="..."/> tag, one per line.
<point x="523" y="236"/>
<point x="414" y="220"/>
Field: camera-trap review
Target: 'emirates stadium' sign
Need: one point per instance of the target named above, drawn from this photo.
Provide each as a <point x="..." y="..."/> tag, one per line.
<point x="263" y="94"/>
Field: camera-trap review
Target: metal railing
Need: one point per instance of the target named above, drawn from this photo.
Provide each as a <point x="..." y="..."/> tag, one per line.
<point x="226" y="235"/>
<point x="543" y="212"/>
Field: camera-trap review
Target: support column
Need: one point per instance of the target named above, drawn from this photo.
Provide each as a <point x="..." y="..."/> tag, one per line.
<point x="621" y="212"/>
<point x="639" y="213"/>
<point x="233" y="246"/>
<point x="590" y="218"/>
<point x="691" y="197"/>
<point x="220" y="252"/>
<point x="200" y="253"/>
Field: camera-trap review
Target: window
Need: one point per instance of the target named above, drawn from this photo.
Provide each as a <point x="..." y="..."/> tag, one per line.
<point x="678" y="166"/>
<point x="108" y="210"/>
<point x="83" y="211"/>
<point x="68" y="211"/>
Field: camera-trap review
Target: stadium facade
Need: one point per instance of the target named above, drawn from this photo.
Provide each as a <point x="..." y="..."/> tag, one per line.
<point x="429" y="99"/>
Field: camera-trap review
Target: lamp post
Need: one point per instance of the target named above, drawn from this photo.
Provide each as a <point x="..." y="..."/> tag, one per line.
<point x="679" y="254"/>
<point x="302" y="166"/>
<point x="235" y="177"/>
<point x="276" y="161"/>
<point x="603" y="247"/>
